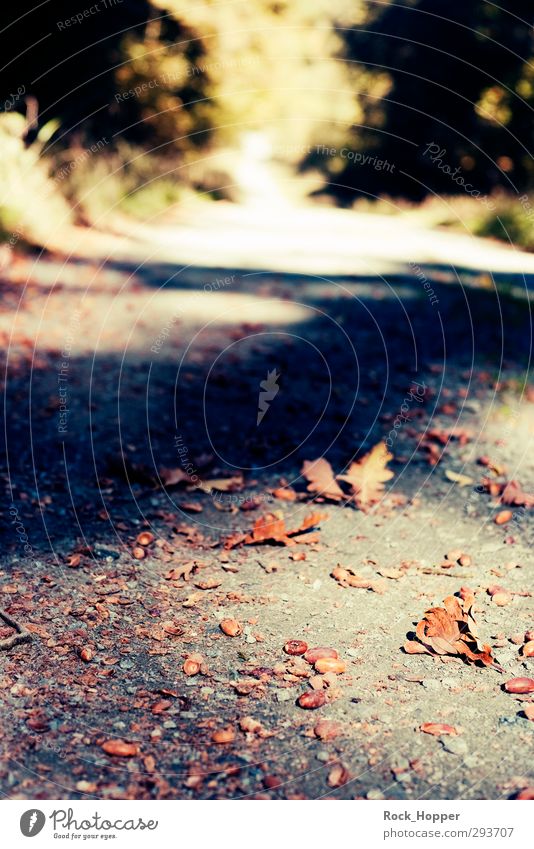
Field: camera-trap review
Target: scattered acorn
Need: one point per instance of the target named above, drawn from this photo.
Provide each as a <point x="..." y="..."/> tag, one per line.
<point x="313" y="655"/>
<point x="192" y="665"/>
<point x="145" y="538"/>
<point x="519" y="685"/>
<point x="312" y="700"/>
<point x="231" y="627"/>
<point x="295" y="647"/>
<point x="330" y="664"/>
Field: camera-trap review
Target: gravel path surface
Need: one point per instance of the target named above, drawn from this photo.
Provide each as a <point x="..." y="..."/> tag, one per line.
<point x="112" y="379"/>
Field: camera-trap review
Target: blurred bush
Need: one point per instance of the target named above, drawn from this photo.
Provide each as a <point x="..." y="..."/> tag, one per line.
<point x="31" y="204"/>
<point x="458" y="75"/>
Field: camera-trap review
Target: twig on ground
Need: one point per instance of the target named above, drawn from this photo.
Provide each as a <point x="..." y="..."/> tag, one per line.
<point x="22" y="635"/>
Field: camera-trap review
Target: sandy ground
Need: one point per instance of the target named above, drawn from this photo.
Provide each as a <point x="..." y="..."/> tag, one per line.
<point x="158" y="364"/>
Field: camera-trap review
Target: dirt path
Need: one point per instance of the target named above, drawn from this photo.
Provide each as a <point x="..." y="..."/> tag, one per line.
<point x="111" y="378"/>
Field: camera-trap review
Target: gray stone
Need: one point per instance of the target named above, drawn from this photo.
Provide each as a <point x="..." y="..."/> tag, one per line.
<point x="282" y="695"/>
<point x="456" y="746"/>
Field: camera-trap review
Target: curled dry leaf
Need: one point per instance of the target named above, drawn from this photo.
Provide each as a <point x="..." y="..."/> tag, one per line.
<point x="251" y="726"/>
<point x="208" y="584"/>
<point x="86" y="654"/>
<point x="327" y="729"/>
<point x="437" y="729"/>
<point x="232" y="484"/>
<point x="347" y="577"/>
<point x="514" y="495"/>
<point x="456" y="477"/>
<point x="451" y="630"/>
<point x="321" y="480"/>
<point x="527" y="794"/>
<point x="73" y="560"/>
<point x="285" y="493"/>
<point x="366" y="477"/>
<point x="173" y="477"/>
<point x="271" y="528"/>
<point x="161" y="706"/>
<point x="120" y="749"/>
<point x="224" y="735"/>
<point x="338" y="776"/>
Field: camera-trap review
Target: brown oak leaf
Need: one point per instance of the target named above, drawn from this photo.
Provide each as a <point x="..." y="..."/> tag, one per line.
<point x="451" y="630"/>
<point x="366" y="477"/>
<point x="321" y="479"/>
<point x="271" y="528"/>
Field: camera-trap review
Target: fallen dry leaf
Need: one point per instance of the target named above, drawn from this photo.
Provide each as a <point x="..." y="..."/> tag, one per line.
<point x="451" y="630"/>
<point x="173" y="477"/>
<point x="327" y="729"/>
<point x="456" y="477"/>
<point x="514" y="495"/>
<point x="284" y="493"/>
<point x="347" y="577"/>
<point x="321" y="480"/>
<point x="232" y="484"/>
<point x="224" y="735"/>
<point x="120" y="749"/>
<point x="366" y="477"/>
<point x="527" y="794"/>
<point x="161" y="706"/>
<point x="437" y="729"/>
<point x="338" y="776"/>
<point x="271" y="528"/>
<point x="251" y="726"/>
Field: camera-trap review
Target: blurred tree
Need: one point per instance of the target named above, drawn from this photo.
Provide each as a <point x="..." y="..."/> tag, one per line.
<point x="81" y="61"/>
<point x="456" y="75"/>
